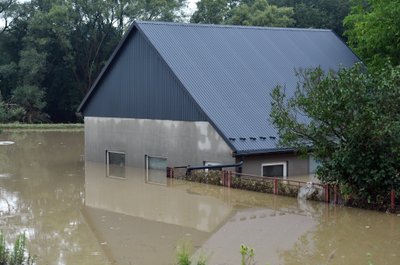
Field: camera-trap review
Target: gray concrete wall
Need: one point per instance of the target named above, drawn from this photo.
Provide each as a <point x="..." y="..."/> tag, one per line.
<point x="182" y="142"/>
<point x="296" y="167"/>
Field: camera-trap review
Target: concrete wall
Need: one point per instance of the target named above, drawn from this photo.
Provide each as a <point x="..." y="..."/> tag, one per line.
<point x="296" y="167"/>
<point x="182" y="142"/>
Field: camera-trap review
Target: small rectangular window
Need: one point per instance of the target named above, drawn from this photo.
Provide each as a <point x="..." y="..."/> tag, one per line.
<point x="115" y="163"/>
<point x="278" y="170"/>
<point x="156" y="170"/>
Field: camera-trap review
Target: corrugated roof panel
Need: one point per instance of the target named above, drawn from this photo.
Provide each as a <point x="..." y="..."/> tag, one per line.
<point x="231" y="70"/>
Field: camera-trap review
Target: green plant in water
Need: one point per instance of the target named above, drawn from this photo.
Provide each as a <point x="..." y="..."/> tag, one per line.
<point x="16" y="256"/>
<point x="202" y="260"/>
<point x="369" y="255"/>
<point x="247" y="255"/>
<point x="183" y="256"/>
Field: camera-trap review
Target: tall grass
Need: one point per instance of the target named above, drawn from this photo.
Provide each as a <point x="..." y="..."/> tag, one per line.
<point x="17" y="255"/>
<point x="183" y="256"/>
<point x="41" y="126"/>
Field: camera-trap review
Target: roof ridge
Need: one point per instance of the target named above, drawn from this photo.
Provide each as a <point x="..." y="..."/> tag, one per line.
<point x="182" y="24"/>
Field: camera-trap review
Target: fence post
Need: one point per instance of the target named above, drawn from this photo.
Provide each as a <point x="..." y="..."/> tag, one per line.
<point x="224" y="174"/>
<point x="275" y="186"/>
<point x="326" y="188"/>
<point x="170" y="172"/>
<point x="335" y="195"/>
<point x="392" y="200"/>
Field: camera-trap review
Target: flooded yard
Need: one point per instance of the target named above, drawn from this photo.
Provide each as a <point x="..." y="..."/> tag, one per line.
<point x="73" y="214"/>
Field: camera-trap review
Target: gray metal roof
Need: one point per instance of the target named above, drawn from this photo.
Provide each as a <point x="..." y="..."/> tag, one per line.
<point x="231" y="70"/>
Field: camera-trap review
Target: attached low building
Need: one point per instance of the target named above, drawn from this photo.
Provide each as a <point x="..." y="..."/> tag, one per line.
<point x="190" y="94"/>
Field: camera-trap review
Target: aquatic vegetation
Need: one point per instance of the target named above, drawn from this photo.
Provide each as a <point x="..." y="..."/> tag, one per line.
<point x="369" y="255"/>
<point x="247" y="255"/>
<point x="183" y="256"/>
<point x="17" y="255"/>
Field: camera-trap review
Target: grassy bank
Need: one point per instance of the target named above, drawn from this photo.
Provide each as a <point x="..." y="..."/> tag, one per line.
<point x="41" y="127"/>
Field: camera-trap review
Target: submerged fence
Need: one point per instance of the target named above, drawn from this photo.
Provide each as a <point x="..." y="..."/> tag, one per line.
<point x="328" y="193"/>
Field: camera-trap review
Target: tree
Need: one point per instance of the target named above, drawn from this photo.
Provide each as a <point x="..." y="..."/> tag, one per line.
<point x="5" y="7"/>
<point x="29" y="94"/>
<point x="211" y="12"/>
<point x="326" y="14"/>
<point x="350" y="121"/>
<point x="261" y="13"/>
<point x="244" y="12"/>
<point x="10" y="112"/>
<point x="58" y="47"/>
<point x="373" y="31"/>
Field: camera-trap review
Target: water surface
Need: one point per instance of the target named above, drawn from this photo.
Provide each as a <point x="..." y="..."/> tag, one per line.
<point x="73" y="214"/>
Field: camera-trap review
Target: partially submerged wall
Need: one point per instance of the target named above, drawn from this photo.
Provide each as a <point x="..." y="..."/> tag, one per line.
<point x="181" y="142"/>
<point x="296" y="166"/>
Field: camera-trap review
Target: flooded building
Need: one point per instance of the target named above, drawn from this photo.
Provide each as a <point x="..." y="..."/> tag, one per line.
<point x="186" y="94"/>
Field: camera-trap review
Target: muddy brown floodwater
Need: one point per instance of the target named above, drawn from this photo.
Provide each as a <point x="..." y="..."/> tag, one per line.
<point x="73" y="214"/>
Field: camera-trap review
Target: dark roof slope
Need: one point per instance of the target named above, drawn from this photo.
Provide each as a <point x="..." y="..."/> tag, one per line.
<point x="231" y="70"/>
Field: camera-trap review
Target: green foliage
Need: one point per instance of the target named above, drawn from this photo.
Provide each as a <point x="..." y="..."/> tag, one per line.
<point x="326" y="14"/>
<point x="5" y="7"/>
<point x="373" y="30"/>
<point x="16" y="256"/>
<point x="57" y="48"/>
<point x="31" y="99"/>
<point x="42" y="127"/>
<point x="350" y="121"/>
<point x="183" y="256"/>
<point x="261" y="13"/>
<point x="253" y="184"/>
<point x="249" y="13"/>
<point x="211" y="12"/>
<point x="10" y="112"/>
<point x="247" y="255"/>
<point x="281" y="13"/>
<point x="209" y="177"/>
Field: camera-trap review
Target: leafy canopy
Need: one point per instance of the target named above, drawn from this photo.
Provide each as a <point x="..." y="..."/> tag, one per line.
<point x="53" y="50"/>
<point x="249" y="13"/>
<point x="373" y="31"/>
<point x="261" y="13"/>
<point x="352" y="127"/>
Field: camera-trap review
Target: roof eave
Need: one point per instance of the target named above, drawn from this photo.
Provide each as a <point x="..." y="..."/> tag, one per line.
<point x="265" y="151"/>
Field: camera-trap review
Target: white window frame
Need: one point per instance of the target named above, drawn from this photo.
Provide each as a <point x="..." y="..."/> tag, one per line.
<point x="108" y="163"/>
<point x="282" y="163"/>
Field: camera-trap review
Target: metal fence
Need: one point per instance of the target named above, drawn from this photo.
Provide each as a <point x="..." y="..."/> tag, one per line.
<point x="328" y="193"/>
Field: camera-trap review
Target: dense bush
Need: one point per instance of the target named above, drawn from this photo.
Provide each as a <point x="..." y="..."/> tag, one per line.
<point x="352" y="128"/>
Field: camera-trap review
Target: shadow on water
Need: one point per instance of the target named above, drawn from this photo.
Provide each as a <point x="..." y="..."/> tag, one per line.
<point x="73" y="214"/>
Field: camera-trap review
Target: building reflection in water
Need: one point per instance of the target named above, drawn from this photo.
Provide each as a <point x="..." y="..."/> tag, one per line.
<point x="142" y="222"/>
<point x="138" y="221"/>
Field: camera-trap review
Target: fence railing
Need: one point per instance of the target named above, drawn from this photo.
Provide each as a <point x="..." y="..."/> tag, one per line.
<point x="328" y="193"/>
